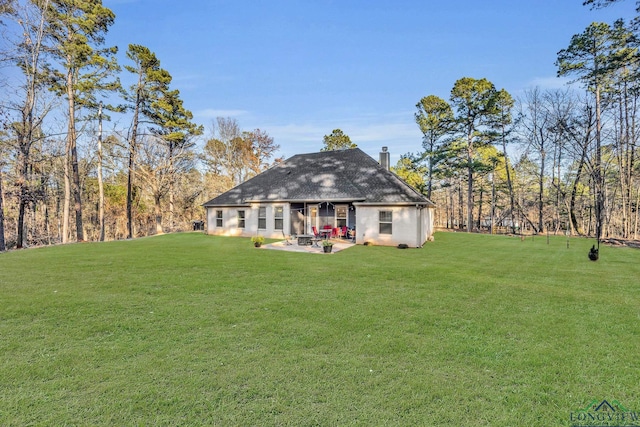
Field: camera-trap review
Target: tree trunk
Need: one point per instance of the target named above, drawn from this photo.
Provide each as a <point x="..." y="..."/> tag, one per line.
<point x="158" y="212"/>
<point x="25" y="141"/>
<point x="637" y="208"/>
<point x="509" y="184"/>
<point x="66" y="206"/>
<point x="480" y="207"/>
<point x="599" y="179"/>
<point x="132" y="152"/>
<point x="559" y="194"/>
<point x="3" y="246"/>
<point x="171" y="211"/>
<point x="469" y="194"/>
<point x="574" y="193"/>
<point x="130" y="190"/>
<point x="22" y="202"/>
<point x="100" y="183"/>
<point x="73" y="152"/>
<point x="450" y="211"/>
<point x="47" y="226"/>
<point x="493" y="199"/>
<point x="430" y="182"/>
<point x="172" y="175"/>
<point x="77" y="195"/>
<point x="541" y="188"/>
<point x="460" y="206"/>
<point x="631" y="130"/>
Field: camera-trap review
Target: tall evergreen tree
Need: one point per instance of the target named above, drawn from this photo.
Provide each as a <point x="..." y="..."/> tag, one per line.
<point x="152" y="82"/>
<point x="598" y="4"/>
<point x="593" y="56"/>
<point x="474" y="101"/>
<point x="78" y="29"/>
<point x="435" y="119"/>
<point x="412" y="170"/>
<point x="501" y="125"/>
<point x="172" y="124"/>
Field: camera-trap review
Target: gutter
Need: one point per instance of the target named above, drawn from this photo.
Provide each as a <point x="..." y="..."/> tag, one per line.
<point x="227" y="205"/>
<point x="423" y="204"/>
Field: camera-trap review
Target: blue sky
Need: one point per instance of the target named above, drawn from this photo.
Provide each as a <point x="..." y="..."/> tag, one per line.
<point x="299" y="69"/>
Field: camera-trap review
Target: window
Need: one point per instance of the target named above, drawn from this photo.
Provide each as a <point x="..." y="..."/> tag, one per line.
<point x="386" y="218"/>
<point x="341" y="215"/>
<point x="218" y="218"/>
<point x="278" y="218"/>
<point x="240" y="219"/>
<point x="262" y="218"/>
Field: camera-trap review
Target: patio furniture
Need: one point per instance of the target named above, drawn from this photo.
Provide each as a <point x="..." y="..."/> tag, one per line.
<point x="287" y="241"/>
<point x="305" y="240"/>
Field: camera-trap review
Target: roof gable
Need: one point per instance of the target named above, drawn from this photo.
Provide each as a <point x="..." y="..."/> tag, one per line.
<point x="341" y="175"/>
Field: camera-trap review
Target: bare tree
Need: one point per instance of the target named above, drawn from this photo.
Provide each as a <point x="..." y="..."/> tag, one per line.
<point x="235" y="156"/>
<point x="30" y="107"/>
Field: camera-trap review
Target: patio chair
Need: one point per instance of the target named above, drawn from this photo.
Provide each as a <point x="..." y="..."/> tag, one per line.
<point x="287" y="240"/>
<point x="343" y="232"/>
<point x="334" y="232"/>
<point x="315" y="231"/>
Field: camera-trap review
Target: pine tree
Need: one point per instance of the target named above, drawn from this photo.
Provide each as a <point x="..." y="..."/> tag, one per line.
<point x="435" y="119"/>
<point x="77" y="30"/>
<point x="172" y="124"/>
<point x="593" y="56"/>
<point x="475" y="106"/>
<point x="337" y="140"/>
<point x="152" y="82"/>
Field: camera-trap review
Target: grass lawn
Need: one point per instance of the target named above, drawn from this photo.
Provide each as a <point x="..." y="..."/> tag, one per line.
<point x="189" y="329"/>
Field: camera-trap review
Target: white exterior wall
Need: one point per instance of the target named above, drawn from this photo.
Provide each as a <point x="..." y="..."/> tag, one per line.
<point x="427" y="223"/>
<point x="230" y="221"/>
<point x="410" y="225"/>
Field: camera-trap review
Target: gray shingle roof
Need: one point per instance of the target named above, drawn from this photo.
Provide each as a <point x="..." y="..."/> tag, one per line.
<point x="341" y="175"/>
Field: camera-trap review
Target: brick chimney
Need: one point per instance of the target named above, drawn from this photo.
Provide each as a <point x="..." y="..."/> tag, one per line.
<point x="384" y="158"/>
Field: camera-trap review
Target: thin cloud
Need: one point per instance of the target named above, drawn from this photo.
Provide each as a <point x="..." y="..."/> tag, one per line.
<point x="212" y="114"/>
<point x="298" y="132"/>
<point x="549" y="82"/>
<point x="396" y="131"/>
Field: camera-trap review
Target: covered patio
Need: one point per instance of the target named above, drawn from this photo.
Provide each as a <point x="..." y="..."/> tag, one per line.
<point x="321" y="215"/>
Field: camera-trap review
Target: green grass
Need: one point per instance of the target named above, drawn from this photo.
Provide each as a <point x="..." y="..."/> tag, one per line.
<point x="189" y="329"/>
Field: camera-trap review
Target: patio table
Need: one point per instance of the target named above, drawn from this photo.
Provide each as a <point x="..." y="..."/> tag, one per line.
<point x="304" y="239"/>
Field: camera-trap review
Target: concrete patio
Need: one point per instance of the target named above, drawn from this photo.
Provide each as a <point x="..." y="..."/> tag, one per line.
<point x="338" y="245"/>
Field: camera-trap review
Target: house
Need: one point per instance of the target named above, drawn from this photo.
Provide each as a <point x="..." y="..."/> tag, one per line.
<point x="331" y="188"/>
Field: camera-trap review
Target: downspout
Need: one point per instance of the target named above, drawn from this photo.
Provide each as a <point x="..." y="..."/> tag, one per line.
<point x="418" y="226"/>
